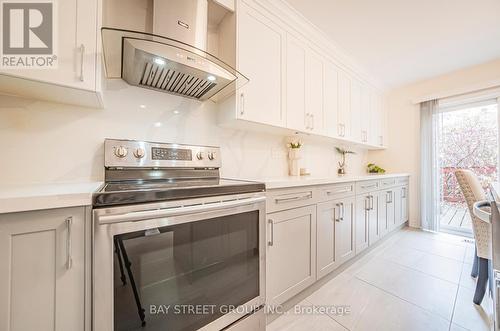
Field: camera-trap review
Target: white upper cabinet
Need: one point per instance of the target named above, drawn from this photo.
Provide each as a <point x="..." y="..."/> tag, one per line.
<point x="260" y="44"/>
<point x="330" y="99"/>
<point x="377" y="120"/>
<point x="344" y="115"/>
<point x="365" y="114"/>
<point x="76" y="47"/>
<point x="296" y="84"/>
<point x="314" y="91"/>
<point x="356" y="114"/>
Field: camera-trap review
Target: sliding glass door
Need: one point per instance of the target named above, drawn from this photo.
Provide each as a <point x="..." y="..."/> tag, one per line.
<point x="467" y="138"/>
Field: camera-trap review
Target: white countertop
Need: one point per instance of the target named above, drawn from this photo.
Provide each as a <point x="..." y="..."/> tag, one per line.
<point x="18" y="198"/>
<point x="291" y="181"/>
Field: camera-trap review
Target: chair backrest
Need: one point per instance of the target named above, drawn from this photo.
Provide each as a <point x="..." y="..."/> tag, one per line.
<point x="473" y="192"/>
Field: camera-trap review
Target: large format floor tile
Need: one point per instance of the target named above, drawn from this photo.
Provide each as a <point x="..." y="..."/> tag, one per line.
<point x="436" y="247"/>
<point x="412" y="281"/>
<point x="434" y="265"/>
<point x="469" y="315"/>
<point x="306" y="321"/>
<point x="430" y="293"/>
<point x="372" y="308"/>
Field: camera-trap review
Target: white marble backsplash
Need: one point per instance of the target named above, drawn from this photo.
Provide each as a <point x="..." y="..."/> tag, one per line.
<point x="45" y="142"/>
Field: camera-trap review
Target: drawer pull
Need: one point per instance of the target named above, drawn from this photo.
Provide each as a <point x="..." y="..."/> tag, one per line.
<point x="364" y="187"/>
<point x="343" y="190"/>
<point x="294" y="198"/>
<point x="271" y="241"/>
<point x="69" y="259"/>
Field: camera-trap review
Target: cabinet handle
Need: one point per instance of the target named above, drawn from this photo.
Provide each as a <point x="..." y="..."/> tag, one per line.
<point x="343" y="210"/>
<point x="381" y="140"/>
<point x="271" y="241"/>
<point x="312" y="121"/>
<point x="343" y="190"/>
<point x="242" y="104"/>
<point x="364" y="187"/>
<point x="82" y="53"/>
<point x="403" y="195"/>
<point x="69" y="260"/>
<point x="337" y="219"/>
<point x="294" y="198"/>
<point x="371" y="202"/>
<point x="367" y="203"/>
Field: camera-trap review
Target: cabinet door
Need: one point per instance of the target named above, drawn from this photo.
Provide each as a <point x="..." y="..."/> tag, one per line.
<point x="356" y="110"/>
<point x="398" y="208"/>
<point x="75" y="24"/>
<point x="362" y="222"/>
<point x="376" y="216"/>
<point x="260" y="57"/>
<point x="344" y="231"/>
<point x="330" y="99"/>
<point x="314" y="91"/>
<point x="344" y="118"/>
<point x="291" y="253"/>
<point x="387" y="202"/>
<point x="325" y="239"/>
<point x="376" y="119"/>
<point x="296" y="84"/>
<point x="404" y="205"/>
<point x="39" y="288"/>
<point x="365" y="114"/>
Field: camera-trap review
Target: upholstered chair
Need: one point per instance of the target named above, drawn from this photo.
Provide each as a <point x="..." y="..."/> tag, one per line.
<point x="473" y="192"/>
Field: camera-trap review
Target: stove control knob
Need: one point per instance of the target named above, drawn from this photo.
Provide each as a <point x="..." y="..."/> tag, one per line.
<point x="139" y="153"/>
<point x="212" y="156"/>
<point x="199" y="156"/>
<point x="121" y="151"/>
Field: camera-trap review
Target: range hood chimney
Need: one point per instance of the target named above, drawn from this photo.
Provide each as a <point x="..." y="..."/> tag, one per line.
<point x="172" y="59"/>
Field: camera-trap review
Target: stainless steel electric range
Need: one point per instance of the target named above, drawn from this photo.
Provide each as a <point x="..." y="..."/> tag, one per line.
<point x="176" y="247"/>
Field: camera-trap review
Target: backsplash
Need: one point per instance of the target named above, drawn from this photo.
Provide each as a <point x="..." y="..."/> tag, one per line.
<point x="47" y="142"/>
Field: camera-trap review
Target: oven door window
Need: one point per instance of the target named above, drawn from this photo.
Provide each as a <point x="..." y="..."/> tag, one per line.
<point x="185" y="276"/>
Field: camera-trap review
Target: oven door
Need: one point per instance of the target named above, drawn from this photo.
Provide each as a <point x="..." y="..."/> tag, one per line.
<point x="172" y="266"/>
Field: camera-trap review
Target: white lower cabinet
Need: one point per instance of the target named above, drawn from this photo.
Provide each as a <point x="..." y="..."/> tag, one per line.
<point x="42" y="276"/>
<point x="313" y="230"/>
<point x="291" y="252"/>
<point x="364" y="213"/>
<point x="344" y="234"/>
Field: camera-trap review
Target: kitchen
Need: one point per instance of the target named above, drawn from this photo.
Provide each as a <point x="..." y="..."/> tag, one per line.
<point x="78" y="136"/>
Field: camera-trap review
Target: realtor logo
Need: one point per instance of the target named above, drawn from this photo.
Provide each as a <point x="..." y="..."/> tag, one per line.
<point x="28" y="34"/>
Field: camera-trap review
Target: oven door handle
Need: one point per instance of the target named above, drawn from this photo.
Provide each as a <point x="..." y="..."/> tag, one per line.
<point x="176" y="211"/>
<point x="481" y="214"/>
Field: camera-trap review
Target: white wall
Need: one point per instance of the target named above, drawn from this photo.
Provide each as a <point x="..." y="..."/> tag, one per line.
<point x="403" y="154"/>
<point x="46" y="142"/>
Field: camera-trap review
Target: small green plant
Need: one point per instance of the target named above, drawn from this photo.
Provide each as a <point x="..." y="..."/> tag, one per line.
<point x="295" y="145"/>
<point x="375" y="169"/>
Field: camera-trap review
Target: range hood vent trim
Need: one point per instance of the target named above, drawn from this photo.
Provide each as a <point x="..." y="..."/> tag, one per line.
<point x="128" y="55"/>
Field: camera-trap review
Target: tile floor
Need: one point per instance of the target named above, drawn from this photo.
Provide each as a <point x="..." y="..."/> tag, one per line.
<point x="414" y="280"/>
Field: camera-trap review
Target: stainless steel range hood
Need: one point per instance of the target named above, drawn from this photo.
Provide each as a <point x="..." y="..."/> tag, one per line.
<point x="172" y="59"/>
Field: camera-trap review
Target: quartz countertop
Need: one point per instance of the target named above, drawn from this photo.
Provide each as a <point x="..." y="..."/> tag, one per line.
<point x="291" y="181"/>
<point x="17" y="198"/>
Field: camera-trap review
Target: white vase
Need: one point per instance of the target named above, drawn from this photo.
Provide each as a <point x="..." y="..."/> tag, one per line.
<point x="294" y="155"/>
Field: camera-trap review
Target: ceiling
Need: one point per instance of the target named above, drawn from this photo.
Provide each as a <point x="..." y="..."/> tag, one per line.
<point x="403" y="41"/>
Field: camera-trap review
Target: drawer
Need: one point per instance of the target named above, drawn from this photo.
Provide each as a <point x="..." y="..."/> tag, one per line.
<point x="388" y="182"/>
<point x="335" y="191"/>
<point x="403" y="180"/>
<point x="367" y="186"/>
<point x="290" y="198"/>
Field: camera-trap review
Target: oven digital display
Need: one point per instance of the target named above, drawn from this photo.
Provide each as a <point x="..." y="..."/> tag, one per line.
<point x="171" y="154"/>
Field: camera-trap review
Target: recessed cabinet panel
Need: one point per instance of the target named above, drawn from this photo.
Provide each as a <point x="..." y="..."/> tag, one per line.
<point x="296" y="85"/>
<point x="344" y="115"/>
<point x="344" y="231"/>
<point x="356" y="93"/>
<point x="326" y="254"/>
<point x="291" y="252"/>
<point x="42" y="281"/>
<point x="314" y="91"/>
<point x="260" y="45"/>
<point x="330" y="99"/>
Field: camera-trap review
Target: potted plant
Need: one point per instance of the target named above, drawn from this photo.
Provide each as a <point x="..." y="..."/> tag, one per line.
<point x="342" y="164"/>
<point x="294" y="155"/>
